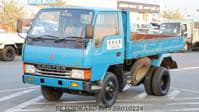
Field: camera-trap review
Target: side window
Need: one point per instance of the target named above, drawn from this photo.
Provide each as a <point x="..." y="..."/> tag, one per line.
<point x="106" y="24"/>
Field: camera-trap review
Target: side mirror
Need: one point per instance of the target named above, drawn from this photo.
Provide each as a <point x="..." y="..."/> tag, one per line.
<point x="184" y="30"/>
<point x="185" y="34"/>
<point x="89" y="31"/>
<point x="23" y="24"/>
<point x="19" y="26"/>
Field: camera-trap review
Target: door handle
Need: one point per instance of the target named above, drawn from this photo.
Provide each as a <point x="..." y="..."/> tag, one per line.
<point x="118" y="54"/>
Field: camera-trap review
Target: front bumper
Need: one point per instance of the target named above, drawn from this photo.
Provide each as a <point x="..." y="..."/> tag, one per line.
<point x="60" y="83"/>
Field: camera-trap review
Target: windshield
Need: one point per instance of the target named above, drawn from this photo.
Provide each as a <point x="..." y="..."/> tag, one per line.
<point x="170" y="28"/>
<point x="61" y="23"/>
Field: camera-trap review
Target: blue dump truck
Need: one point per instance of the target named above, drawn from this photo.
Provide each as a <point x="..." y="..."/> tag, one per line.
<point x="89" y="51"/>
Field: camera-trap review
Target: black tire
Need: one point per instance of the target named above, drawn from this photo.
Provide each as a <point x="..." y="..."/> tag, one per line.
<point x="148" y="81"/>
<point x="51" y="94"/>
<point x="161" y="81"/>
<point x="195" y="47"/>
<point x="174" y="65"/>
<point x="107" y="96"/>
<point x="8" y="54"/>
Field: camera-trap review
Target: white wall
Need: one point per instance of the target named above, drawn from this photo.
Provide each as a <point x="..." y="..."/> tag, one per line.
<point x="158" y="2"/>
<point x="93" y="3"/>
<point x="106" y="3"/>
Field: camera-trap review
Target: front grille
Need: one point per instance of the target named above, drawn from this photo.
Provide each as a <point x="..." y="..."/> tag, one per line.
<point x="53" y="70"/>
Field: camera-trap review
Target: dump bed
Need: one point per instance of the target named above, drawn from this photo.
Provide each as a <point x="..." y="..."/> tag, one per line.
<point x="141" y="45"/>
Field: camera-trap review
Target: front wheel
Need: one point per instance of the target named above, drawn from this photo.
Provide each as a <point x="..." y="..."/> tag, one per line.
<point x="107" y="96"/>
<point x="8" y="54"/>
<point x="51" y="94"/>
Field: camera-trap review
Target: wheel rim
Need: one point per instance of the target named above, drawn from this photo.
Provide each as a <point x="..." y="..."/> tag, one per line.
<point x="164" y="82"/>
<point x="110" y="90"/>
<point x="9" y="53"/>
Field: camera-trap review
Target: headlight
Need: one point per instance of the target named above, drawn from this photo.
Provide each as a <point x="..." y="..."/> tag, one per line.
<point x="81" y="74"/>
<point x="29" y="69"/>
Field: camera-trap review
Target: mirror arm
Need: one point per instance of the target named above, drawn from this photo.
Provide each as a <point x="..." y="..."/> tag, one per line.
<point x="21" y="36"/>
<point x="89" y="31"/>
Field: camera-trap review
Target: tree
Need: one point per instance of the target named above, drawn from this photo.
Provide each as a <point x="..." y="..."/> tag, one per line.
<point x="10" y="12"/>
<point x="58" y="3"/>
<point x="172" y="14"/>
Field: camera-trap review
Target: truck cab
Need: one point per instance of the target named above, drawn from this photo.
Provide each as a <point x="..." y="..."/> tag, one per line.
<point x="180" y="28"/>
<point x="10" y="45"/>
<point x="90" y="51"/>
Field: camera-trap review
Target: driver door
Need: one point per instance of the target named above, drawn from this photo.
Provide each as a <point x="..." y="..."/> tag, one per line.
<point x="108" y="41"/>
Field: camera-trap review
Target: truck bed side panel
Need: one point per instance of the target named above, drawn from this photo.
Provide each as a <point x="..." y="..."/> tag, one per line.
<point x="154" y="47"/>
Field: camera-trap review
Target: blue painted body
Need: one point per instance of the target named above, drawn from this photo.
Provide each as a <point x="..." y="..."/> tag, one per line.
<point x="61" y="56"/>
<point x="52" y="82"/>
<point x="154" y="47"/>
<point x="100" y="59"/>
<point x="157" y="62"/>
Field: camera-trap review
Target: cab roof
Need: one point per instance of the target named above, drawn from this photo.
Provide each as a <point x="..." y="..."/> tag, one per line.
<point x="83" y="8"/>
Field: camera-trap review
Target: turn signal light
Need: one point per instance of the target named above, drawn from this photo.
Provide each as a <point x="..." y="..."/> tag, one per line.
<point x="74" y="84"/>
<point x="87" y="74"/>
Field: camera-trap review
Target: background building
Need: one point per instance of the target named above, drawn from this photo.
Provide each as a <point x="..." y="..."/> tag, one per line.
<point x="141" y="14"/>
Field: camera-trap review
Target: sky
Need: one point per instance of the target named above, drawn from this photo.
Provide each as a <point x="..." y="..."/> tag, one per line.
<point x="186" y="6"/>
<point x="181" y="4"/>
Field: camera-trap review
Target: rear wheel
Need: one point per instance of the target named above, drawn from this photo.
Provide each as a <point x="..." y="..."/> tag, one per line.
<point x="107" y="96"/>
<point x="51" y="94"/>
<point x="148" y="81"/>
<point x="161" y="81"/>
<point x="8" y="54"/>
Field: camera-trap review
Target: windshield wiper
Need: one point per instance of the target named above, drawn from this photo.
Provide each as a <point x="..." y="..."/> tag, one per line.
<point x="67" y="39"/>
<point x="43" y="37"/>
<point x="55" y="37"/>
